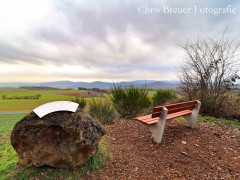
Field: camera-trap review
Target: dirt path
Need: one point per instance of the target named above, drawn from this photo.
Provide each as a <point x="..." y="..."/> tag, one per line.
<point x="210" y="152"/>
<point x="14" y="112"/>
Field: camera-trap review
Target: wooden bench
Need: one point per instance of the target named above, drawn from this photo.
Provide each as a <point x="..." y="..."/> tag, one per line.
<point x="157" y="120"/>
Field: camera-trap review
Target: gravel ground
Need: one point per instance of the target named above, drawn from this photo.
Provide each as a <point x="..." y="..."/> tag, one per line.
<point x="206" y="152"/>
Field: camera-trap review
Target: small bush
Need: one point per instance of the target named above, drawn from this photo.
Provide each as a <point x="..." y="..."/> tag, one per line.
<point x="4" y="97"/>
<point x="226" y="106"/>
<point x="80" y="100"/>
<point x="130" y="101"/>
<point x="162" y="96"/>
<point x="102" y="110"/>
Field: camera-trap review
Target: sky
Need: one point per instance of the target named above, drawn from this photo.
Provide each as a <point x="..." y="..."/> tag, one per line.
<point x="105" y="40"/>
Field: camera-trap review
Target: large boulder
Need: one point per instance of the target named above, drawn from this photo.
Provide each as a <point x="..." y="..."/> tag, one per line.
<point x="60" y="139"/>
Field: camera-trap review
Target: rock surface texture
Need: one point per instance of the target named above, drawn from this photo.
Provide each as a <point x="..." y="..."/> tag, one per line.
<point x="59" y="139"/>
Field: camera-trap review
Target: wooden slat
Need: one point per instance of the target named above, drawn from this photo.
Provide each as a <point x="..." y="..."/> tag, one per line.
<point x="156" y="114"/>
<point x="143" y="117"/>
<point x="170" y="116"/>
<point x="189" y="107"/>
<point x="157" y="109"/>
<point x="172" y="108"/>
<point x="178" y="105"/>
<point x="178" y="114"/>
<point x="150" y="119"/>
<point x="154" y="121"/>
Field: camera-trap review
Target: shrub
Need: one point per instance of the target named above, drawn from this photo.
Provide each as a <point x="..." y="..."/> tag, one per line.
<point x="225" y="107"/>
<point x="162" y="96"/>
<point x="102" y="110"/>
<point x="80" y="100"/>
<point x="210" y="71"/>
<point x="4" y="97"/>
<point x="130" y="101"/>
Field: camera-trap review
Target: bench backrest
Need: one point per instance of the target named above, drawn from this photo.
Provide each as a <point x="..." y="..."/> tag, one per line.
<point x="173" y="108"/>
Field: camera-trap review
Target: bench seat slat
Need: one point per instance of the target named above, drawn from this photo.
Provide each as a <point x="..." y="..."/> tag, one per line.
<point x="143" y="117"/>
<point x="150" y="120"/>
<point x="178" y="114"/>
<point x="170" y="116"/>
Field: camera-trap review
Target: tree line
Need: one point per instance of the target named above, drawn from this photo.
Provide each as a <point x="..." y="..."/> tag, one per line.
<point x="37" y="96"/>
<point x="93" y="89"/>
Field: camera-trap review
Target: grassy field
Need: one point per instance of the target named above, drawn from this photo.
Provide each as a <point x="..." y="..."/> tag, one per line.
<point x="10" y="169"/>
<point x="30" y="104"/>
<point x="7" y="121"/>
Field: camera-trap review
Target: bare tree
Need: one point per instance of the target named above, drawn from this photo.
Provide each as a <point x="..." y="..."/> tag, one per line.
<point x="209" y="70"/>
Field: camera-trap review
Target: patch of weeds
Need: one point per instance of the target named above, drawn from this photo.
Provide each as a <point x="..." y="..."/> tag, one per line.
<point x="181" y="120"/>
<point x="8" y="158"/>
<point x="102" y="111"/>
<point x="31" y="115"/>
<point x="80" y="100"/>
<point x="126" y="146"/>
<point x="40" y="122"/>
<point x="38" y="129"/>
<point x="98" y="160"/>
<point x="26" y="173"/>
<point x="211" y="120"/>
<point x="218" y="121"/>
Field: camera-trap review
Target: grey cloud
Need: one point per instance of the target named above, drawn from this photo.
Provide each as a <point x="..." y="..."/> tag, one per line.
<point x="80" y="31"/>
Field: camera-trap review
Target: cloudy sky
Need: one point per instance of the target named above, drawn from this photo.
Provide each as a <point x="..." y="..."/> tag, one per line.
<point x="107" y="40"/>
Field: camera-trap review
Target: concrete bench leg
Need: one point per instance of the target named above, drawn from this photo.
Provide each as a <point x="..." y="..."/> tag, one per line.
<point x="157" y="129"/>
<point x="192" y="118"/>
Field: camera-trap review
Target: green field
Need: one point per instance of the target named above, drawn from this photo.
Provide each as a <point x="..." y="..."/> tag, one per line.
<point x="7" y="121"/>
<point x="30" y="104"/>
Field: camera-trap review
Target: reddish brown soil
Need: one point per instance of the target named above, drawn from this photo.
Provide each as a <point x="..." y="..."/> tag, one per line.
<point x="210" y="152"/>
<point x="41" y="88"/>
<point x="85" y="94"/>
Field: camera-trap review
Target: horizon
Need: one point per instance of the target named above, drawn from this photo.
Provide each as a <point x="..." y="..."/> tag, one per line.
<point x="90" y="81"/>
<point x="49" y="40"/>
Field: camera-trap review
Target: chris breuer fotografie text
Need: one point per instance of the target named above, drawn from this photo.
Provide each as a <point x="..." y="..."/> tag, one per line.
<point x="144" y="9"/>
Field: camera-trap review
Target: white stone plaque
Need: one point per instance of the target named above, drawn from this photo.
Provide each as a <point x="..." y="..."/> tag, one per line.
<point x="55" y="106"/>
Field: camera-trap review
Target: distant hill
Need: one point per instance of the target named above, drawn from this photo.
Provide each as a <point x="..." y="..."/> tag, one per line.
<point x="95" y="84"/>
<point x="39" y="88"/>
<point x="160" y="84"/>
